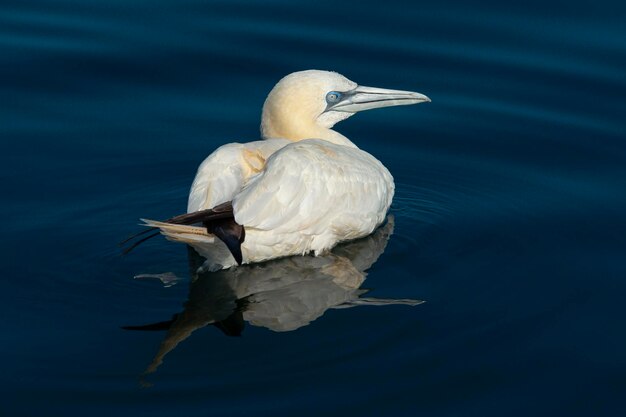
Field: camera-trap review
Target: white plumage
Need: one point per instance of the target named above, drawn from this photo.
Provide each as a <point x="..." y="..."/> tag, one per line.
<point x="305" y="187"/>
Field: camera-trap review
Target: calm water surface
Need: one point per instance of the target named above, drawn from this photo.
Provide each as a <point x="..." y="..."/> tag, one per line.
<point x="509" y="218"/>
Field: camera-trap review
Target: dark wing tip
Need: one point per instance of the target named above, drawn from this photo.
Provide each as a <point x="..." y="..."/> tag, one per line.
<point x="231" y="233"/>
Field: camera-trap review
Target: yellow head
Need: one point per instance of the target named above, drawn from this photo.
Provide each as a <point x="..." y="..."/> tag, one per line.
<point x="307" y="104"/>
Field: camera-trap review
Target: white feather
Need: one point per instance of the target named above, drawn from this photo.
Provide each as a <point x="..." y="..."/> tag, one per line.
<point x="306" y="192"/>
<point x="223" y="173"/>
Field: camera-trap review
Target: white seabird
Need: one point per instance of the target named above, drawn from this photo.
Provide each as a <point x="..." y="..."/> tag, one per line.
<point x="303" y="188"/>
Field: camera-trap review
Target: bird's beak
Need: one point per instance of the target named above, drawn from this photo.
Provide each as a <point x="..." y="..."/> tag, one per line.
<point x="366" y="98"/>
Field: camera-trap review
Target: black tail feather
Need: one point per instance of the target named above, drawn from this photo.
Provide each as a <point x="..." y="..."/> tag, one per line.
<point x="219" y="220"/>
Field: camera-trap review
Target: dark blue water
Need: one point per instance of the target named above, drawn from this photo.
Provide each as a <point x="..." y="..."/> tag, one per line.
<point x="509" y="217"/>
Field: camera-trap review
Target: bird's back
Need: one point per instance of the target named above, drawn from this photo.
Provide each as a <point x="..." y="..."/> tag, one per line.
<point x="313" y="194"/>
<point x="222" y="175"/>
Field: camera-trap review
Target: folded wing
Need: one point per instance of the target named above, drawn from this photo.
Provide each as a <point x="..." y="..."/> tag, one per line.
<point x="223" y="173"/>
<point x="316" y="189"/>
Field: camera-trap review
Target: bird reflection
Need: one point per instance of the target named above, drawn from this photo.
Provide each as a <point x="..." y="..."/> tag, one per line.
<point x="281" y="295"/>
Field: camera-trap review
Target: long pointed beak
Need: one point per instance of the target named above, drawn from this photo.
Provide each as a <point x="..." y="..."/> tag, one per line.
<point x="366" y="98"/>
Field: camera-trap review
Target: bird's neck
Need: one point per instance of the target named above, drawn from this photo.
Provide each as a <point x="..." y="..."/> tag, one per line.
<point x="296" y="130"/>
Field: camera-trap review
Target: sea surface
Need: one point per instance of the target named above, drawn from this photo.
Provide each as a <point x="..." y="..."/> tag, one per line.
<point x="509" y="220"/>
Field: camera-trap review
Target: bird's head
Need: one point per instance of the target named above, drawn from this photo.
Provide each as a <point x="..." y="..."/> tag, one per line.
<point x="307" y="104"/>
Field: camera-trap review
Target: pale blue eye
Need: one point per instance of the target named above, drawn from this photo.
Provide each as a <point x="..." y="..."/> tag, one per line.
<point x="333" y="97"/>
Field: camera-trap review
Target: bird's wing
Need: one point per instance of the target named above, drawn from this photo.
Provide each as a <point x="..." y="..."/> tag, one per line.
<point x="223" y="173"/>
<point x="312" y="186"/>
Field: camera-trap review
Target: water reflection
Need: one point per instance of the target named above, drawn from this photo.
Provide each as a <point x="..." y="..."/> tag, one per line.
<point x="281" y="295"/>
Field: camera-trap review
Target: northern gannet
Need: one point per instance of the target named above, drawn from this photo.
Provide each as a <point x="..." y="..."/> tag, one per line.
<point x="304" y="188"/>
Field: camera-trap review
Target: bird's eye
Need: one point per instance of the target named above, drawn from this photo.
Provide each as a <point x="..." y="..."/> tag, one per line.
<point x="333" y="97"/>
